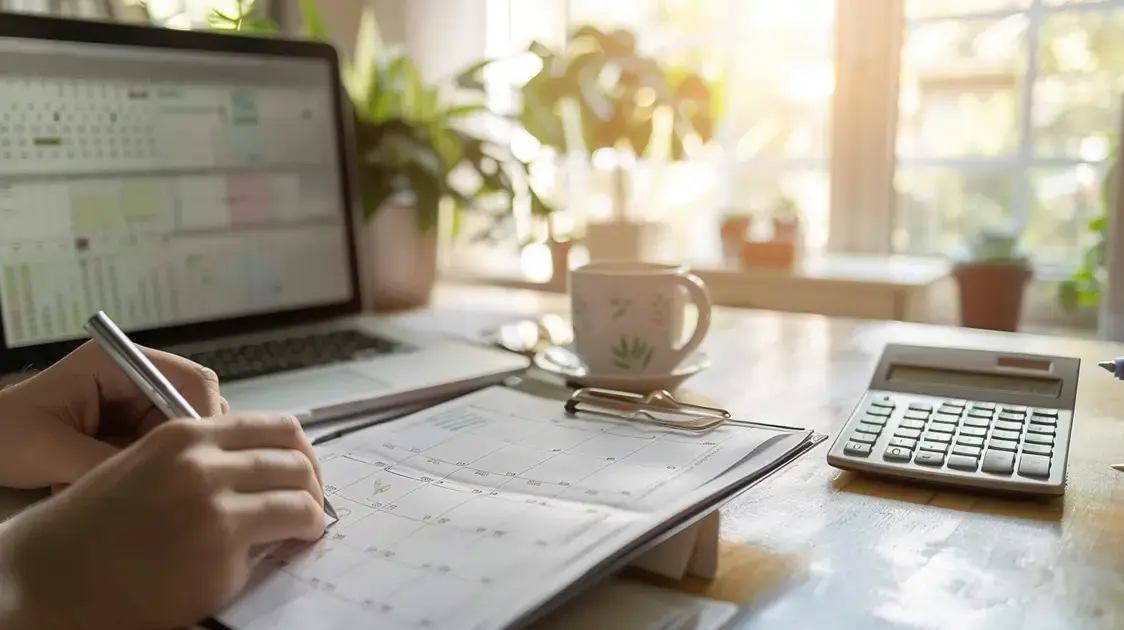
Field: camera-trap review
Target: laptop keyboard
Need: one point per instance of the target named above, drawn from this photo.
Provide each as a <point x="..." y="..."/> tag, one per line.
<point x="270" y="357"/>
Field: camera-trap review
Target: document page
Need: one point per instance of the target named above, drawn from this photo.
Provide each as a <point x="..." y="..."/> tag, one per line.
<point x="470" y="513"/>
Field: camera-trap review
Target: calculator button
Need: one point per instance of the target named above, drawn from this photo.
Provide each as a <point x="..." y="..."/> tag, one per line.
<point x="1049" y="413"/>
<point x="969" y="451"/>
<point x="916" y="415"/>
<point x="1000" y="434"/>
<point x="1019" y="409"/>
<point x="929" y="458"/>
<point x="1000" y="462"/>
<point x="936" y="447"/>
<point x="942" y="427"/>
<point x="977" y="422"/>
<point x="913" y="434"/>
<point x="879" y="411"/>
<point x="963" y="462"/>
<point x="1034" y="466"/>
<point x="864" y="438"/>
<point x="980" y="413"/>
<point x="1037" y="449"/>
<point x="950" y="408"/>
<point x="903" y="442"/>
<point x="938" y="437"/>
<point x="873" y="420"/>
<point x="1046" y="421"/>
<point x="1040" y="429"/>
<point x="1035" y="438"/>
<point x="984" y="405"/>
<point x="968" y="440"/>
<point x="1003" y="445"/>
<point x="974" y="431"/>
<point x="954" y="403"/>
<point x="857" y="448"/>
<point x="912" y="424"/>
<point x="1012" y="417"/>
<point x="898" y="454"/>
<point x="944" y="417"/>
<point x="872" y="429"/>
<point x="882" y="402"/>
<point x="1008" y="426"/>
<point x="921" y="406"/>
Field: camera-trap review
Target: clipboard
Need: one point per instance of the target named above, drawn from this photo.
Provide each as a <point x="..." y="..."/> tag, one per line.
<point x="694" y="516"/>
<point x="700" y="518"/>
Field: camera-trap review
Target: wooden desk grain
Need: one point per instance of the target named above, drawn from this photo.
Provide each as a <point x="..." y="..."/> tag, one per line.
<point x="815" y="547"/>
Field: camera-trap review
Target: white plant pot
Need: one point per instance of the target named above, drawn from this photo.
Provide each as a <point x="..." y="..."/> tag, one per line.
<point x="400" y="260"/>
<point x="627" y="240"/>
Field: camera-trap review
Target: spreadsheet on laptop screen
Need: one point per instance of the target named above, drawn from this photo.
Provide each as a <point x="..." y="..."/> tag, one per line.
<point x="165" y="187"/>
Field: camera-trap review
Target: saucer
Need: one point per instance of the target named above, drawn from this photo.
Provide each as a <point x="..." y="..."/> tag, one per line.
<point x="563" y="361"/>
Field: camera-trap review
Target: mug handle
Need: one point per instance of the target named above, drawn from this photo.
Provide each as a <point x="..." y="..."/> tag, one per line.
<point x="700" y="295"/>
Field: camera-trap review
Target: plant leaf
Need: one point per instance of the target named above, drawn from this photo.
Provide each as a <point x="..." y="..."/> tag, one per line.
<point x="311" y="21"/>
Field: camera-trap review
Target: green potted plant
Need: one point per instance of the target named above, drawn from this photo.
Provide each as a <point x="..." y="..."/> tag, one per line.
<point x="991" y="275"/>
<point x="411" y="146"/>
<point x="601" y="93"/>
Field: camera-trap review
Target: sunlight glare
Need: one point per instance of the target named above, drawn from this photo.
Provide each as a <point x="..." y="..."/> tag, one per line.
<point x="524" y="146"/>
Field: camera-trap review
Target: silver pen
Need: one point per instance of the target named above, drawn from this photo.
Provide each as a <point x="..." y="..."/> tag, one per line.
<point x="145" y="375"/>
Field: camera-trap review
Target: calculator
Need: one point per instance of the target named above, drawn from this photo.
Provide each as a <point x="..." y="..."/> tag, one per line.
<point x="964" y="417"/>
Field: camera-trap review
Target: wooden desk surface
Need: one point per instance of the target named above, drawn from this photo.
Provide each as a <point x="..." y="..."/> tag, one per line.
<point x="815" y="547"/>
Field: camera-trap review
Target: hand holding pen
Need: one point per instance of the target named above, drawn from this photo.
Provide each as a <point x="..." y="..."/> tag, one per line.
<point x="152" y="532"/>
<point x="144" y="374"/>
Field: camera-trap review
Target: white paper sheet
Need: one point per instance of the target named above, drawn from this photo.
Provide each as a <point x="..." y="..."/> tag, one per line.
<point x="469" y="514"/>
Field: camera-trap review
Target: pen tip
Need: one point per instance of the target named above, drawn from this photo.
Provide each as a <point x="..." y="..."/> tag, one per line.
<point x="1119" y="467"/>
<point x="1108" y="365"/>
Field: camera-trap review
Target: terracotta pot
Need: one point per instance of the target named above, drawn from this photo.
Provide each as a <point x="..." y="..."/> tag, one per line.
<point x="991" y="294"/>
<point x="786" y="230"/>
<point x="734" y="230"/>
<point x="400" y="259"/>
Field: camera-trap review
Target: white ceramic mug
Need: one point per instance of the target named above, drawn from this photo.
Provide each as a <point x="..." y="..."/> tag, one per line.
<point x="628" y="316"/>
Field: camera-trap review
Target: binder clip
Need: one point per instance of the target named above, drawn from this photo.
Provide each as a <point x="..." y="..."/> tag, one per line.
<point x="659" y="408"/>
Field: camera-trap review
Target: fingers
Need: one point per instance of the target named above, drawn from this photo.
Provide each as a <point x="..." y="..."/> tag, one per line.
<point x="198" y="384"/>
<point x="276" y="515"/>
<point x="258" y="431"/>
<point x="259" y="470"/>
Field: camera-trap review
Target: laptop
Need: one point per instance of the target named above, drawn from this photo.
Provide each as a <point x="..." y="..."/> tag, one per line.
<point x="199" y="188"/>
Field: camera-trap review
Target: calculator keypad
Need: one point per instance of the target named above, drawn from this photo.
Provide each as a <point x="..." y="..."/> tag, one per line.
<point x="968" y="436"/>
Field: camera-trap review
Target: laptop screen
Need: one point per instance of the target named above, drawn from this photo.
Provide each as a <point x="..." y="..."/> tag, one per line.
<point x="166" y="187"/>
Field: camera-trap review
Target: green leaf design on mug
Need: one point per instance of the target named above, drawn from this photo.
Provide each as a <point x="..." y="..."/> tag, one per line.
<point x="630" y="355"/>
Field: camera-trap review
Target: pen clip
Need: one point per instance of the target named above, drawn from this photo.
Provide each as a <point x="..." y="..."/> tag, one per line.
<point x="659" y="408"/>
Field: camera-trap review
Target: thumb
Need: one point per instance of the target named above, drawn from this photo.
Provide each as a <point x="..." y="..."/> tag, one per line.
<point x="70" y="454"/>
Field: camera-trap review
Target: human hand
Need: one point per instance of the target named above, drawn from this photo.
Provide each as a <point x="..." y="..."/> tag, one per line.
<point x="61" y="423"/>
<point x="162" y="535"/>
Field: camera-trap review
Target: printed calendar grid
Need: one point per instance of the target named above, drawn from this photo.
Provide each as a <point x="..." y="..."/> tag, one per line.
<point x="465" y="526"/>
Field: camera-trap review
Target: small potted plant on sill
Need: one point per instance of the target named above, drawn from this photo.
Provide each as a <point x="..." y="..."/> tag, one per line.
<point x="734" y="229"/>
<point x="991" y="275"/>
<point x="786" y="221"/>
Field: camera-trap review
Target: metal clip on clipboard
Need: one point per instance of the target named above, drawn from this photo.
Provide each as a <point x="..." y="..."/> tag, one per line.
<point x="659" y="407"/>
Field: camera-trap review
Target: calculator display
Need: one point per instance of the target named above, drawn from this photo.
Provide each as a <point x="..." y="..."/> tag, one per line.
<point x="976" y="380"/>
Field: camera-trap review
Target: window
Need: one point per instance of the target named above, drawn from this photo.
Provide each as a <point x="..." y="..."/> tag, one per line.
<point x="1006" y="112"/>
<point x="770" y="67"/>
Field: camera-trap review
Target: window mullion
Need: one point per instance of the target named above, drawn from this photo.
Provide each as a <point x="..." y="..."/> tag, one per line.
<point x="1022" y="194"/>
